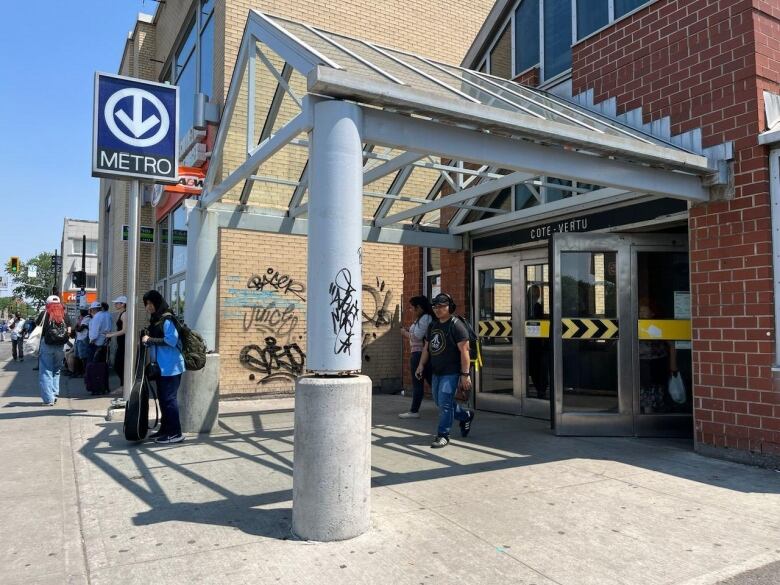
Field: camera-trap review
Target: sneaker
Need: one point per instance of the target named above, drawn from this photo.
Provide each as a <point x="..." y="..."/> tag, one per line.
<point x="119" y="401"/>
<point x="47" y="403"/>
<point x="439" y="442"/>
<point x="157" y="435"/>
<point x="170" y="439"/>
<point x="409" y="414"/>
<point x="465" y="425"/>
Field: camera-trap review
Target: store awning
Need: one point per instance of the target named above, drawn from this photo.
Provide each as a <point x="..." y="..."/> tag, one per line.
<point x="490" y="152"/>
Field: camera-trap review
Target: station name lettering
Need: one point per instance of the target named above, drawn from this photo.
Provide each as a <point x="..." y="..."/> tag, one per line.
<point x="571" y="225"/>
<point x="135" y="163"/>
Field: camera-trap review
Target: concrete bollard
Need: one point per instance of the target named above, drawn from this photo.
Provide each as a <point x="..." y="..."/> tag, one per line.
<point x="332" y="458"/>
<point x="199" y="397"/>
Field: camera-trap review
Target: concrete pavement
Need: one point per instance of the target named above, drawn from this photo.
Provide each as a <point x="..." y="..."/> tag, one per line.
<point x="512" y="504"/>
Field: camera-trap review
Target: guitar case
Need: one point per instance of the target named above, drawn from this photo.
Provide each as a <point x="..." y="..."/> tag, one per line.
<point x="136" y="423"/>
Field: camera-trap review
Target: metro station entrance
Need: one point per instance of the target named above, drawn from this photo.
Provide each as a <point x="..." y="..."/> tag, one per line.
<point x="604" y="334"/>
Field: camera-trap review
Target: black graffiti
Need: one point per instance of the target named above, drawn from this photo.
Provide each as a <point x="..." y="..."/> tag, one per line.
<point x="274" y="361"/>
<point x="281" y="283"/>
<point x="381" y="314"/>
<point x="277" y="321"/>
<point x="345" y="310"/>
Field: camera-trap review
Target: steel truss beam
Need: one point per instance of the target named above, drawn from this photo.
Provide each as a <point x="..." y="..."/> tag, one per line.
<point x="272" y="221"/>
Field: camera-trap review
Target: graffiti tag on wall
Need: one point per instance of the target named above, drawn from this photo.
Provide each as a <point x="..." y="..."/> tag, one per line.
<point x="274" y="281"/>
<point x="273" y="361"/>
<point x="344" y="311"/>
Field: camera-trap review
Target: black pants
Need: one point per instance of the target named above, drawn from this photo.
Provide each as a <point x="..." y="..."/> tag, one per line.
<point x="17" y="348"/>
<point x="418" y="386"/>
<point x="167" y="394"/>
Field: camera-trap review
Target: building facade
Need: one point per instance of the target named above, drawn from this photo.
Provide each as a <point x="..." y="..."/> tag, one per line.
<point x="687" y="287"/>
<point x="73" y="253"/>
<point x="261" y="333"/>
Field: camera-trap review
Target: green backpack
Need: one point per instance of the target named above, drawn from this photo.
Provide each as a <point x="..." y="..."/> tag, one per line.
<point x="193" y="347"/>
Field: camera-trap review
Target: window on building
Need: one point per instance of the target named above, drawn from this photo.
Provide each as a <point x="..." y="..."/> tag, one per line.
<point x="591" y="16"/>
<point x="557" y="37"/>
<point x="501" y="55"/>
<point x="184" y="77"/>
<point x="623" y="7"/>
<point x="526" y="35"/>
<point x="178" y="242"/>
<point x="207" y="48"/>
<point x="432" y="271"/>
<point x="92" y="246"/>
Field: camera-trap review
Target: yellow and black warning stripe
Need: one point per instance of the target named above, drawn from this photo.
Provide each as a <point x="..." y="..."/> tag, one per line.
<point x="589" y="328"/>
<point x="492" y="329"/>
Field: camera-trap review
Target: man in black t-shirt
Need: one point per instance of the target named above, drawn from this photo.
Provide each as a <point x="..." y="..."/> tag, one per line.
<point x="447" y="346"/>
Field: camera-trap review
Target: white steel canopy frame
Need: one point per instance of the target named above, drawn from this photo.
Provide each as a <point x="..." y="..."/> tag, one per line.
<point x="434" y="136"/>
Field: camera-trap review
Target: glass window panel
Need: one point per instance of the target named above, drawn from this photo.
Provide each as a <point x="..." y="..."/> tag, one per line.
<point x="591" y="16"/>
<point x="557" y="37"/>
<point x="524" y="197"/>
<point x="186" y="83"/>
<point x="501" y="55"/>
<point x="554" y="194"/>
<point x="92" y="246"/>
<point x="433" y="285"/>
<point x="162" y="249"/>
<point x="434" y="260"/>
<point x="663" y="293"/>
<point x="526" y="35"/>
<point x="182" y="296"/>
<point x="495" y="308"/>
<point x="538" y="355"/>
<point x="207" y="54"/>
<point x="623" y="7"/>
<point x="185" y="51"/>
<point x="588" y="285"/>
<point x="179" y="241"/>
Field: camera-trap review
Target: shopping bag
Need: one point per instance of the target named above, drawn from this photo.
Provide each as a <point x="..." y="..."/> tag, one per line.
<point x="33" y="342"/>
<point x="677" y="388"/>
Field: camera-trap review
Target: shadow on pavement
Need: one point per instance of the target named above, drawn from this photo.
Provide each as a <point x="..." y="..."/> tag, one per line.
<point x="259" y="445"/>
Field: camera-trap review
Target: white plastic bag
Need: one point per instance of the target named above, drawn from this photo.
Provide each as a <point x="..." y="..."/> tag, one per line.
<point x="33" y="342"/>
<point x="677" y="388"/>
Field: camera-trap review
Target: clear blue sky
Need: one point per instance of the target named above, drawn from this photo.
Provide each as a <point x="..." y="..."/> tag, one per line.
<point x="49" y="52"/>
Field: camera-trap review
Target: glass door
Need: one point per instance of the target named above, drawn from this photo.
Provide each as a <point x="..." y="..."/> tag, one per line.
<point x="535" y="349"/>
<point x="494" y="287"/>
<point x="591" y="299"/>
<point x="663" y="403"/>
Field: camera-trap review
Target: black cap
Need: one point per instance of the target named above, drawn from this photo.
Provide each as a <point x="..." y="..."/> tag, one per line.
<point x="441" y="299"/>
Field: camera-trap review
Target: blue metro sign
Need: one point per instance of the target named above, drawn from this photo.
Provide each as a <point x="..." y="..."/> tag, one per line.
<point x="135" y="129"/>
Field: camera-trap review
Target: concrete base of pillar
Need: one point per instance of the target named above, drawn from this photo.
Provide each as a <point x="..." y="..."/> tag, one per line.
<point x="199" y="397"/>
<point x="332" y="465"/>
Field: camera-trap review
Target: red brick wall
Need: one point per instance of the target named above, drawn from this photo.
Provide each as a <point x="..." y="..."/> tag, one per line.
<point x="529" y="77"/>
<point x="704" y="63"/>
<point x="413" y="283"/>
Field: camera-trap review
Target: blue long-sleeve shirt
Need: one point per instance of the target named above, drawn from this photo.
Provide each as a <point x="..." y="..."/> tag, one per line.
<point x="167" y="354"/>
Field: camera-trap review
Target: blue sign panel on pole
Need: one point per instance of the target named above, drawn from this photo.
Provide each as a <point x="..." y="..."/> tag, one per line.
<point x="135" y="129"/>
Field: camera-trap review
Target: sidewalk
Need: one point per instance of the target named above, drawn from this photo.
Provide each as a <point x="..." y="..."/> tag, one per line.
<point x="511" y="505"/>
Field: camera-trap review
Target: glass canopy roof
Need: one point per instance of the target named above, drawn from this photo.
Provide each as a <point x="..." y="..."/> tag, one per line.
<point x="493" y="152"/>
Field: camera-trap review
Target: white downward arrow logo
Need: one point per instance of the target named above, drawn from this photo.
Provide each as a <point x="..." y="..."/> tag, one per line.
<point x="136" y="124"/>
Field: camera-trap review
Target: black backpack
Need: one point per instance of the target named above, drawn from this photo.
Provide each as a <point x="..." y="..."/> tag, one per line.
<point x="55" y="333"/>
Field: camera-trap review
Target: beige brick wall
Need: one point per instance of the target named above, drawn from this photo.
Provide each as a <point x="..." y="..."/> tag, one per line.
<point x="265" y="322"/>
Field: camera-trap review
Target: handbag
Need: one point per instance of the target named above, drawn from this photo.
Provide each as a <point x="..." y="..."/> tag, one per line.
<point x="676" y="388"/>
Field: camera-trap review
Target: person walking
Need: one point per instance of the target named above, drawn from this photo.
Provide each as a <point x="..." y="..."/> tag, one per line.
<point x="17" y="338"/>
<point x="120" y="304"/>
<point x="82" y="341"/>
<point x="423" y="315"/>
<point x="55" y="333"/>
<point x="447" y="348"/>
<point x="162" y="337"/>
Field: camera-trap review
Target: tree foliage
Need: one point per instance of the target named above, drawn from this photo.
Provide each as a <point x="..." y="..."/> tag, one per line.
<point x="34" y="289"/>
<point x="12" y="305"/>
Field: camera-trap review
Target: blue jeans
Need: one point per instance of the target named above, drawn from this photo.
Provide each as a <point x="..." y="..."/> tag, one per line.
<point x="167" y="391"/>
<point x="444" y="388"/>
<point x="49" y="364"/>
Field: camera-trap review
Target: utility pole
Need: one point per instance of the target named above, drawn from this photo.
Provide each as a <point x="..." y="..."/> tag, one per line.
<point x="54" y="270"/>
<point x="82" y="297"/>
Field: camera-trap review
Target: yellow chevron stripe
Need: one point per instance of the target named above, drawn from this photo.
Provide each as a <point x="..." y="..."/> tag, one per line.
<point x="664" y="329"/>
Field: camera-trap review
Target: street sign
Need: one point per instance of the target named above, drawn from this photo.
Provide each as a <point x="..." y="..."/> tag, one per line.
<point x="135" y="129"/>
<point x="3" y="282"/>
<point x="147" y="234"/>
<point x="32" y="272"/>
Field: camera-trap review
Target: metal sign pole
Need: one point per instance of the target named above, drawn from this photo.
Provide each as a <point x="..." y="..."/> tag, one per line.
<point x="132" y="278"/>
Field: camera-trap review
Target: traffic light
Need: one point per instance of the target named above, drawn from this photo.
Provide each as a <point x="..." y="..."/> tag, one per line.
<point x="14" y="264"/>
<point x="79" y="278"/>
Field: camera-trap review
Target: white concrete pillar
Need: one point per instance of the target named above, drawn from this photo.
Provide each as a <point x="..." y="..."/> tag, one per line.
<point x="335" y="238"/>
<point x="200" y="308"/>
<point x="332" y="459"/>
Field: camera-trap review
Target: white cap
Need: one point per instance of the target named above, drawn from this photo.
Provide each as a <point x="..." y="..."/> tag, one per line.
<point x="95" y="305"/>
<point x="52" y="299"/>
<point x="120" y="299"/>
